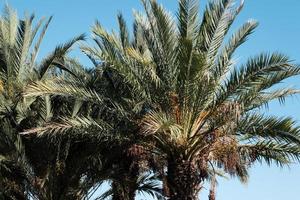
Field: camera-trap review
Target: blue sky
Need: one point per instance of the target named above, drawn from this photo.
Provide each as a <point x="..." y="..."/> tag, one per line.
<point x="279" y="30"/>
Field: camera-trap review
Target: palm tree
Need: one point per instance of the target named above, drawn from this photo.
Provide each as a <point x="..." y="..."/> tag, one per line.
<point x="20" y="40"/>
<point x="74" y="142"/>
<point x="100" y="117"/>
<point x="201" y="108"/>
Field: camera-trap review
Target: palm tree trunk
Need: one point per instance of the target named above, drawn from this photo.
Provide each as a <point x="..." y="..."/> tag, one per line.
<point x="212" y="191"/>
<point x="182" y="180"/>
<point x="124" y="186"/>
<point x="122" y="192"/>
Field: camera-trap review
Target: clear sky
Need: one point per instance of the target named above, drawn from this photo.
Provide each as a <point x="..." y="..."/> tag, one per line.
<point x="279" y="30"/>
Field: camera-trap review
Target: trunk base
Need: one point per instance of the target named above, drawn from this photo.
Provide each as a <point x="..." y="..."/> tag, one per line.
<point x="183" y="182"/>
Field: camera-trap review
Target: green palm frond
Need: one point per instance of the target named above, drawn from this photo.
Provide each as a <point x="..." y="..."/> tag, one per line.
<point x="9" y="37"/>
<point x="224" y="59"/>
<point x="264" y="98"/>
<point x="56" y="57"/>
<point x="256" y="126"/>
<point x="123" y="30"/>
<point x="260" y="72"/>
<point x="24" y="40"/>
<point x="77" y="91"/>
<point x="160" y="123"/>
<point x="221" y="28"/>
<point x="112" y="52"/>
<point x="40" y="38"/>
<point x="160" y="34"/>
<point x="164" y="130"/>
<point x="92" y="53"/>
<point x="78" y="124"/>
<point x="270" y="152"/>
<point x="217" y="18"/>
<point x="261" y="65"/>
<point x="63" y="88"/>
<point x="188" y="18"/>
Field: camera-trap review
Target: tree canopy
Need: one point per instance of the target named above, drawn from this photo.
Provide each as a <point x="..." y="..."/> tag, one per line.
<point x="163" y="110"/>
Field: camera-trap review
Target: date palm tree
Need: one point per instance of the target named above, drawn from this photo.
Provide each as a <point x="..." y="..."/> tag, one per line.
<point x="97" y="95"/>
<point x="20" y="41"/>
<point x="73" y="142"/>
<point x="201" y="108"/>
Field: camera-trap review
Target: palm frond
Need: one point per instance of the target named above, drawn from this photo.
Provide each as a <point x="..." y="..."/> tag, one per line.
<point x="270" y="152"/>
<point x="264" y="98"/>
<point x="83" y="125"/>
<point x="256" y="73"/>
<point x="161" y="37"/>
<point x="112" y="52"/>
<point x="60" y="87"/>
<point x="148" y="184"/>
<point x="123" y="31"/>
<point x="258" y="126"/>
<point x="57" y="55"/>
<point x="224" y="60"/>
<point x="40" y="38"/>
<point x="215" y="23"/>
<point x="188" y="18"/>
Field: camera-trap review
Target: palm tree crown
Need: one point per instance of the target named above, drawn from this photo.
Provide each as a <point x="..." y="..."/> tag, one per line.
<point x="202" y="108"/>
<point x="20" y="41"/>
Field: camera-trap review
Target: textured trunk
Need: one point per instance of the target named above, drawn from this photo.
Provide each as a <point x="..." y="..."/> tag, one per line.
<point x="122" y="192"/>
<point x="125" y="184"/>
<point x="212" y="191"/>
<point x="182" y="180"/>
<point x="212" y="195"/>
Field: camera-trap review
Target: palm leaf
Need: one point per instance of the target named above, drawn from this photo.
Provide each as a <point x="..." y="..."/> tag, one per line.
<point x="57" y="55"/>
